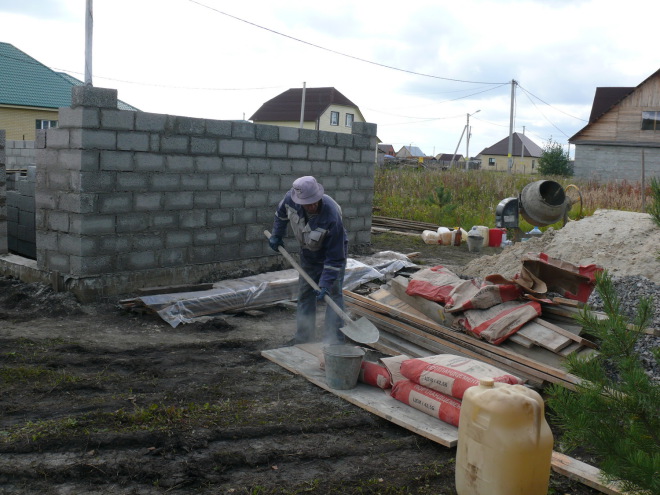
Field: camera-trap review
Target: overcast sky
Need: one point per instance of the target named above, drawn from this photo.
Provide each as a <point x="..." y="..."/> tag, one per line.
<point x="416" y="68"/>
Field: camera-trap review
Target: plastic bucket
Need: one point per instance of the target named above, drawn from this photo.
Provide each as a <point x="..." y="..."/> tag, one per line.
<point x="475" y="243"/>
<point x="495" y="237"/>
<point x="342" y="365"/>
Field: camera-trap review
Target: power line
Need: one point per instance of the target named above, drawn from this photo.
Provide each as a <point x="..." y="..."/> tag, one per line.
<point x="546" y="118"/>
<point x="573" y="116"/>
<point x="338" y="52"/>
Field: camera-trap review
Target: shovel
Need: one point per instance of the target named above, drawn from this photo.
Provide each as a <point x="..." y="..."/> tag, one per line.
<point x="361" y="331"/>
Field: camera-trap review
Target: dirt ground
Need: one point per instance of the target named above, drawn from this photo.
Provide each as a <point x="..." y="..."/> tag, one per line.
<point x="96" y="399"/>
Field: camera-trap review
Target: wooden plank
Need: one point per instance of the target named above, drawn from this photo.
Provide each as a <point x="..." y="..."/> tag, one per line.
<point x="372" y="399"/>
<point x="582" y="472"/>
<point x="173" y="289"/>
<point x="543" y="336"/>
<point x="521" y="340"/>
<point x="566" y="333"/>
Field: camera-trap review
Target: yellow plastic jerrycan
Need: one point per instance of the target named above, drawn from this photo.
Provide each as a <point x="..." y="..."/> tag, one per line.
<point x="504" y="441"/>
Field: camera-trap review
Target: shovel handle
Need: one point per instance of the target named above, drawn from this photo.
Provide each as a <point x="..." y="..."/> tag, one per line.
<point x="311" y="282"/>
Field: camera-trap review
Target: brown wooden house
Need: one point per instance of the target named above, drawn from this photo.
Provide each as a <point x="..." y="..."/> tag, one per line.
<point x="622" y="139"/>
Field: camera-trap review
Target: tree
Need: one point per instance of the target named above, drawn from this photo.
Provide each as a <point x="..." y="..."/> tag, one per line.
<point x="613" y="413"/>
<point x="554" y="160"/>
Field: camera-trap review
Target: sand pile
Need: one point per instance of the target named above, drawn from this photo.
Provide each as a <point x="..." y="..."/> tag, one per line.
<point x="622" y="242"/>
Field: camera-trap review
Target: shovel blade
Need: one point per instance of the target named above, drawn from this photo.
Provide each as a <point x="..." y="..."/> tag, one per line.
<point x="361" y="331"/>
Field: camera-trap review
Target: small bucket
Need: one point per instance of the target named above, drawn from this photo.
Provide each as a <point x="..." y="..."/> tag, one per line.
<point x="342" y="365"/>
<point x="475" y="243"/>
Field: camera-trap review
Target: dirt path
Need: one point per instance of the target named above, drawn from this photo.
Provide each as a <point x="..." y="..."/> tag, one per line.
<point x="94" y="399"/>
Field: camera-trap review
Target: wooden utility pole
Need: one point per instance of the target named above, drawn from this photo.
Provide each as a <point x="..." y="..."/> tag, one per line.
<point x="302" y="106"/>
<point x="510" y="152"/>
<point x="89" y="28"/>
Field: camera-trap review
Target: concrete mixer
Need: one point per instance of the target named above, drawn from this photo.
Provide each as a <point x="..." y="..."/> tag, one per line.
<point x="540" y="203"/>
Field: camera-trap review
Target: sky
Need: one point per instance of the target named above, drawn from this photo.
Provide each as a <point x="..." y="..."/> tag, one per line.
<point x="420" y="69"/>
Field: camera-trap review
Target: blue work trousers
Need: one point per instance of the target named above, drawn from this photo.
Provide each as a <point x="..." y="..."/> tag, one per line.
<point x="306" y="308"/>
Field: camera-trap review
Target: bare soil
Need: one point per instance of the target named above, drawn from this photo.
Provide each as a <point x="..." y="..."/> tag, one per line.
<point x="95" y="399"/>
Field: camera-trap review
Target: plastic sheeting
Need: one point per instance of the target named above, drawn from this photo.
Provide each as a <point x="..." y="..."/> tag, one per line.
<point x="258" y="290"/>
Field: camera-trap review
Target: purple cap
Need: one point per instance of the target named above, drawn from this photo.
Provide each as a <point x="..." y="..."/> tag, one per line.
<point x="306" y="190"/>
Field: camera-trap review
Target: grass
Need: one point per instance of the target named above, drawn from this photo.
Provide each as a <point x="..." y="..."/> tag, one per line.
<point x="456" y="198"/>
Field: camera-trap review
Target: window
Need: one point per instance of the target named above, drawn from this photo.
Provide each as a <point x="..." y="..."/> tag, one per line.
<point x="651" y="121"/>
<point x="334" y="118"/>
<point x="491" y="162"/>
<point x="349" y="119"/>
<point x="46" y="124"/>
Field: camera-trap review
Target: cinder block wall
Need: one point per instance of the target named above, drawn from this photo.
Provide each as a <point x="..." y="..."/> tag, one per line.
<point x="616" y="163"/>
<point x="3" y="196"/>
<point x="21" y="212"/>
<point x="19" y="154"/>
<point x="132" y="199"/>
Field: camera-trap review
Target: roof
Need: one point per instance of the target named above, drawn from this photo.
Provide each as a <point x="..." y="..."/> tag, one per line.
<point x="501" y="148"/>
<point x="386" y="148"/>
<point x="446" y="157"/>
<point x="285" y="107"/>
<point x="412" y="151"/>
<point x="26" y="82"/>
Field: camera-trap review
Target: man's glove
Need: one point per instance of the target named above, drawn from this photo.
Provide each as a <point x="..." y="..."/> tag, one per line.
<point x="320" y="294"/>
<point x="275" y="241"/>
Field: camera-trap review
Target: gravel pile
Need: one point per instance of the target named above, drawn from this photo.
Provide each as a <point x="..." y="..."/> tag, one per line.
<point x="630" y="290"/>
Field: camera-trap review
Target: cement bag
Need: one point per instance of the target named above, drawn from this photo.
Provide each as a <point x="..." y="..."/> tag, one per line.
<point x="452" y="375"/>
<point x="428" y="401"/>
<point x="569" y="280"/>
<point x="374" y="374"/>
<point x="499" y="322"/>
<point x="477" y="294"/>
<point x="434" y="284"/>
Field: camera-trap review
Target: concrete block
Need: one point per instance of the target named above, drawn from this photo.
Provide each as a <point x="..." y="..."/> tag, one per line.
<point x="174" y="144"/>
<point x="93" y="224"/>
<point x="150" y="122"/>
<point x="243" y="130"/>
<point x="116" y="160"/>
<point x="132" y="181"/>
<point x="115" y="203"/>
<point x="363" y="143"/>
<point x="114" y="244"/>
<point x="247" y="182"/>
<point x="58" y="220"/>
<point x="219" y="218"/>
<point x="77" y="203"/>
<point x="194" y="182"/>
<point x="205" y="237"/>
<point x="172" y="257"/>
<point x="60" y="180"/>
<point x="165" y="220"/>
<point x="276" y="150"/>
<point x="298" y="151"/>
<point x="254" y="148"/>
<point x="234" y="165"/>
<point x="192" y="219"/>
<point x="206" y="199"/>
<point x="88" y="96"/>
<point x="133" y="222"/>
<point x="92" y="139"/>
<point x="244" y="216"/>
<point x="321" y="168"/>
<point x="154" y="143"/>
<point x="104" y="182"/>
<point x="288" y="134"/>
<point x="268" y="182"/>
<point x="203" y="146"/>
<point x="232" y="199"/>
<point x="148" y="242"/>
<point x="78" y="160"/>
<point x="133" y="141"/>
<point x="232" y="235"/>
<point x="204" y="254"/>
<point x="230" y="147"/>
<point x="339" y="168"/>
<point x="309" y="136"/>
<point x="55" y="261"/>
<point x="152" y="201"/>
<point x="219" y="128"/>
<point x="301" y="167"/>
<point x="120" y="120"/>
<point x="352" y="155"/>
<point x="178" y="238"/>
<point x="221" y="182"/>
<point x="179" y="163"/>
<point x="317" y="152"/>
<point x="58" y="138"/>
<point x="255" y="232"/>
<point x="267" y="132"/>
<point x="149" y="162"/>
<point x="281" y="167"/>
<point x="165" y="182"/>
<point x="208" y="163"/>
<point x="189" y="126"/>
<point x="327" y="138"/>
<point x="257" y="200"/>
<point x="225" y="252"/>
<point x="76" y="245"/>
<point x="92" y="265"/>
<point x="178" y="200"/>
<point x="365" y="128"/>
<point x="253" y="249"/>
<point x="258" y="165"/>
<point x="335" y="154"/>
<point x="39" y="139"/>
<point x="139" y="260"/>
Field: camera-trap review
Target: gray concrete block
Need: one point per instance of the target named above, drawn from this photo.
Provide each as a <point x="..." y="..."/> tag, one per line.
<point x="252" y="249"/>
<point x="77" y="203"/>
<point x="318" y="152"/>
<point x="203" y="254"/>
<point x="345" y="140"/>
<point x="321" y="168"/>
<point x="365" y="128"/>
<point x="133" y="141"/>
<point x="281" y="167"/>
<point x="268" y="182"/>
<point x="178" y="238"/>
<point x="194" y="182"/>
<point x="91" y="139"/>
<point x="78" y="160"/>
<point x="219" y="218"/>
<point x="120" y="120"/>
<point x="230" y="147"/>
<point x="192" y="219"/>
<point x="189" y="125"/>
<point x="203" y="146"/>
<point x="104" y="182"/>
<point x="276" y="150"/>
<point x="132" y="181"/>
<point x="165" y="220"/>
<point x="148" y="242"/>
<point x="149" y="162"/>
<point x="221" y="182"/>
<point x="243" y="130"/>
<point x="152" y="201"/>
<point x="301" y="167"/>
<point x="225" y="252"/>
<point x="352" y="155"/>
<point x="254" y="148"/>
<point x="139" y="260"/>
<point x="132" y="222"/>
<point x="88" y="96"/>
<point x="150" y="122"/>
<point x="115" y="203"/>
<point x="58" y="220"/>
<point x="298" y="151"/>
<point x="219" y="128"/>
<point x="172" y="257"/>
<point x="234" y="234"/>
<point x="179" y="163"/>
<point x="258" y="165"/>
<point x="255" y="232"/>
<point x="363" y="143"/>
<point x="206" y="199"/>
<point x="234" y="165"/>
<point x="92" y="265"/>
<point x="258" y="200"/>
<point x="178" y="200"/>
<point x="114" y="244"/>
<point x="56" y="261"/>
<point x="174" y="144"/>
<point x="75" y="244"/>
<point x="327" y="138"/>
<point x="58" y="138"/>
<point x="93" y="224"/>
<point x="339" y="168"/>
<point x="232" y="199"/>
<point x="288" y="134"/>
<point x="309" y="136"/>
<point x="244" y="216"/>
<point x="267" y="132"/>
<point x="247" y="182"/>
<point x="165" y="182"/>
<point x="208" y="163"/>
<point x="205" y="237"/>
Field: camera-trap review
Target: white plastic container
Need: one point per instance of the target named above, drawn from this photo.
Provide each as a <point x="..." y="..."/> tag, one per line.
<point x="483" y="232"/>
<point x="431" y="237"/>
<point x="504" y="442"/>
<point x="445" y="235"/>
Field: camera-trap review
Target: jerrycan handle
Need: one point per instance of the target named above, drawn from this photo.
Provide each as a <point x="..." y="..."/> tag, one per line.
<point x="537" y="417"/>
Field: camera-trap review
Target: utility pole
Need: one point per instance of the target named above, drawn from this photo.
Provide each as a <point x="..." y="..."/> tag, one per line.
<point x="510" y="153"/>
<point x="453" y="158"/>
<point x="467" y="141"/>
<point x="89" y="28"/>
<point x="302" y="105"/>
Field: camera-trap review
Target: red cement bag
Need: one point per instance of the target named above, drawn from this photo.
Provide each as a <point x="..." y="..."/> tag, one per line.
<point x="496" y="324"/>
<point x="452" y="375"/>
<point x="375" y="375"/>
<point x="434" y="284"/>
<point x="477" y="294"/>
<point x="428" y="401"/>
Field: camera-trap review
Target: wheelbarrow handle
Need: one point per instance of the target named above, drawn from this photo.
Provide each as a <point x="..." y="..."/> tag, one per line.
<point x="311" y="282"/>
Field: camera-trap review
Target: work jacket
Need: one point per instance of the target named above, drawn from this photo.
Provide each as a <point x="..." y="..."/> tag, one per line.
<point x="322" y="237"/>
